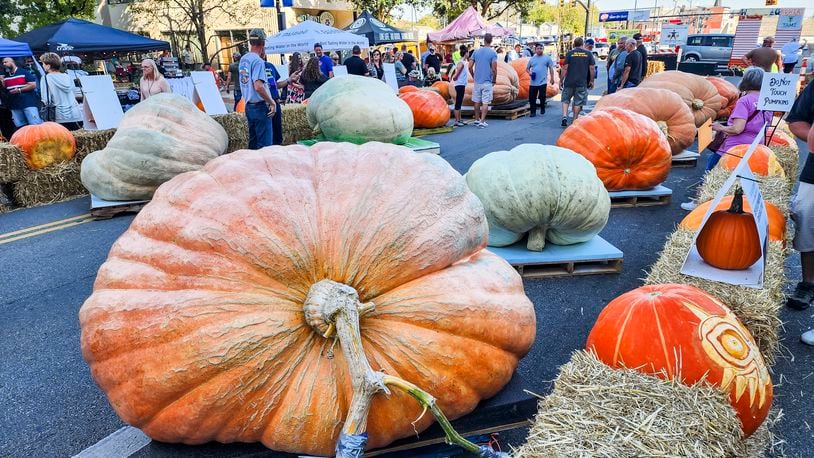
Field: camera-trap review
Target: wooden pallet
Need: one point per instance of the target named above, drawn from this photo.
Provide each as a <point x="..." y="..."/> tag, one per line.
<point x="498" y="112"/>
<point x="686" y="159"/>
<point x="594" y="257"/>
<point x="657" y="196"/>
<point x="104" y="209"/>
<point x="437" y="130"/>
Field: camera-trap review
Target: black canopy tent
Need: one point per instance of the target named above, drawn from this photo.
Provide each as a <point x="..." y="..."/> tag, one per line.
<point x="377" y="32"/>
<point x="76" y="36"/>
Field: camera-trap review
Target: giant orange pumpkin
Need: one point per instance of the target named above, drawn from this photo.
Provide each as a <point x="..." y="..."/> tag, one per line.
<point x="665" y="107"/>
<point x="729" y="239"/>
<point x="698" y="93"/>
<point x="408" y="88"/>
<point x="505" y="90"/>
<point x="762" y="161"/>
<point x="777" y="222"/>
<point x="523" y="76"/>
<point x="729" y="93"/>
<point x="681" y="332"/>
<point x="443" y="88"/>
<point x="429" y="109"/>
<point x="44" y="144"/>
<point x="197" y="327"/>
<point x="627" y="149"/>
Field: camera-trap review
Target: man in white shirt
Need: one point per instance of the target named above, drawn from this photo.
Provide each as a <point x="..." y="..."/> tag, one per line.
<point x="791" y="54"/>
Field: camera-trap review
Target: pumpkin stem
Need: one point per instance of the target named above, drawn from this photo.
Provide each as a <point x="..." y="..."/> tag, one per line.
<point x="536" y="240"/>
<point x="737" y="201"/>
<point x="333" y="307"/>
<point x="697" y="104"/>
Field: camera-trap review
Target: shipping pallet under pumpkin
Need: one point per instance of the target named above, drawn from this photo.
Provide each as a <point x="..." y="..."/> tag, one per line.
<point x="103" y="209"/>
<point x="596" y="256"/>
<point x="418" y="145"/>
<point x="505" y="112"/>
<point x="652" y="197"/>
<point x="686" y="159"/>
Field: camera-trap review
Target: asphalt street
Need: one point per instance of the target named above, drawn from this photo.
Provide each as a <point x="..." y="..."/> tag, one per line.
<point x="52" y="408"/>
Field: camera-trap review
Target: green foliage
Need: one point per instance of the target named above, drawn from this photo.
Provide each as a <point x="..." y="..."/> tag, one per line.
<point x="20" y="16"/>
<point x="570" y="18"/>
<point x="489" y="9"/>
<point x="380" y="9"/>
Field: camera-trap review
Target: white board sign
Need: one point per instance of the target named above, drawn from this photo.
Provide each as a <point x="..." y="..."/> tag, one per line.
<point x="101" y="107"/>
<point x="340" y="70"/>
<point x="790" y="22"/>
<point x="674" y="35"/>
<point x="207" y="93"/>
<point x="753" y="276"/>
<point x="390" y="76"/>
<point x="282" y="70"/>
<point x="777" y="92"/>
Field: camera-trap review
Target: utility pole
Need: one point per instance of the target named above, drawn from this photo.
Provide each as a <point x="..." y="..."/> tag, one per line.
<point x="587" y="17"/>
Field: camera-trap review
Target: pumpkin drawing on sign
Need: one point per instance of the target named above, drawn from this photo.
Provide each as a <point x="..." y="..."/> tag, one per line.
<point x="681" y="332"/>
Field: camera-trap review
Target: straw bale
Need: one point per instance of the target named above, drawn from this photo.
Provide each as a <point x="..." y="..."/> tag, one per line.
<point x="597" y="411"/>
<point x="237" y="129"/>
<point x="88" y="141"/>
<point x="654" y="66"/>
<point x="12" y="166"/>
<point x="776" y="190"/>
<point x="295" y="124"/>
<point x="6" y="203"/>
<point x="48" y="185"/>
<point x="789" y="159"/>
<point x="758" y="309"/>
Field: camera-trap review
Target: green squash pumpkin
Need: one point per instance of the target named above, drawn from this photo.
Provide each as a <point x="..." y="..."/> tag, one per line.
<point x="549" y="192"/>
<point x="159" y="138"/>
<point x="357" y="109"/>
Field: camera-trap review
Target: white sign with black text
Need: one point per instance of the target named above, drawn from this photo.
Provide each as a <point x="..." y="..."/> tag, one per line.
<point x="753" y="276"/>
<point x="777" y="92"/>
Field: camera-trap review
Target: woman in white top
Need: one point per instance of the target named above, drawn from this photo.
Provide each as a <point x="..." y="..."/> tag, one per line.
<point x="459" y="78"/>
<point x="57" y="88"/>
<point x="152" y="81"/>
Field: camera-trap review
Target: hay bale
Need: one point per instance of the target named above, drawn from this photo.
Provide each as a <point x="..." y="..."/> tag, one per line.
<point x="758" y="309"/>
<point x="776" y="190"/>
<point x="6" y="203"/>
<point x="237" y="129"/>
<point x="12" y="166"/>
<point x="88" y="141"/>
<point x="596" y="411"/>
<point x="295" y="124"/>
<point x="49" y="185"/>
<point x="653" y="67"/>
<point x="789" y="159"/>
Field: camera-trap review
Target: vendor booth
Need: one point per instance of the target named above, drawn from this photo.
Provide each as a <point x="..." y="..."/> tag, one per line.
<point x="469" y="24"/>
<point x="303" y="36"/>
<point x="377" y="32"/>
<point x="76" y="36"/>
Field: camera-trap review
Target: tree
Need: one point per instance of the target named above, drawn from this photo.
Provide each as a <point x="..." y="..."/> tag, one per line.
<point x="189" y="18"/>
<point x="571" y="19"/>
<point x="489" y="9"/>
<point x="20" y="16"/>
<point x="380" y="9"/>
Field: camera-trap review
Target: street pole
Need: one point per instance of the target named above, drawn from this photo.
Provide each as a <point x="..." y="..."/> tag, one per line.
<point x="587" y="17"/>
<point x="280" y="23"/>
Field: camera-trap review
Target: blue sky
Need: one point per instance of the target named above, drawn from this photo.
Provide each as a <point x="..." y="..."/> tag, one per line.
<point x="628" y="4"/>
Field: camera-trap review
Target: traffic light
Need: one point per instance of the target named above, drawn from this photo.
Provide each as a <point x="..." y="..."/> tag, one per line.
<point x="562" y="3"/>
<point x="573" y="3"/>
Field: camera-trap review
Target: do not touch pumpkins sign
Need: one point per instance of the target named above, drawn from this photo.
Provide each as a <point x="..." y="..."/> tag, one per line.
<point x="752" y="276"/>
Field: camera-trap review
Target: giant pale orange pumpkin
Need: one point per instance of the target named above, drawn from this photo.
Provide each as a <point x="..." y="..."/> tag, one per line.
<point x="762" y="161"/>
<point x="408" y="88"/>
<point x="429" y="109"/>
<point x="777" y="222"/>
<point x="523" y="76"/>
<point x="44" y="144"/>
<point x="665" y="107"/>
<point x="505" y="90"/>
<point x="698" y="93"/>
<point x="627" y="149"/>
<point x="207" y="319"/>
<point x="729" y="93"/>
<point x="443" y="88"/>
<point x="729" y="239"/>
<point x="681" y="332"/>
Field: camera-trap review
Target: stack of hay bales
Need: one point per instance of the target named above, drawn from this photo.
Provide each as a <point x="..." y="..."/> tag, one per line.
<point x="654" y="66"/>
<point x="237" y="129"/>
<point x="595" y="410"/>
<point x="295" y="124"/>
<point x="12" y="168"/>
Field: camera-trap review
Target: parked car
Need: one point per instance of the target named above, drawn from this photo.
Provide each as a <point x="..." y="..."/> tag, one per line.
<point x="601" y="50"/>
<point x="708" y="48"/>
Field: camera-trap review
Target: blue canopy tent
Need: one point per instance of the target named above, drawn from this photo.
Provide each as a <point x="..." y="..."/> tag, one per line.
<point x="76" y="36"/>
<point x="10" y="48"/>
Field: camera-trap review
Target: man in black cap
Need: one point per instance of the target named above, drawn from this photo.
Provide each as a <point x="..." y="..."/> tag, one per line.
<point x="260" y="106"/>
<point x="643" y="51"/>
<point x="355" y="64"/>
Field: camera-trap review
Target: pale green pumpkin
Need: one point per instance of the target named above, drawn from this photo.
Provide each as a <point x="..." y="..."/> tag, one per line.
<point x="549" y="192"/>
<point x="159" y="138"/>
<point x="357" y="109"/>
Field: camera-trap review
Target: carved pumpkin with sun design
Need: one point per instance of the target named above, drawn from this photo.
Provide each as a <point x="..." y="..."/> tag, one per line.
<point x="681" y="332"/>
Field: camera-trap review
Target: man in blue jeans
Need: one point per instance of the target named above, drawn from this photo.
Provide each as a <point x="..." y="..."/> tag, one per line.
<point x="22" y="87"/>
<point x="260" y="106"/>
<point x="272" y="76"/>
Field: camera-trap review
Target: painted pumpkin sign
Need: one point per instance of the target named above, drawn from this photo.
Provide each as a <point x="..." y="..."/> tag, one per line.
<point x="681" y="332"/>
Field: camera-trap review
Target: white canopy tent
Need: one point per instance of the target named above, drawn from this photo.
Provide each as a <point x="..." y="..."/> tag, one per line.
<point x="303" y="36"/>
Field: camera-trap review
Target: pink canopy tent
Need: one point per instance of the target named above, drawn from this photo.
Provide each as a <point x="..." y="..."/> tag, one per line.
<point x="469" y="24"/>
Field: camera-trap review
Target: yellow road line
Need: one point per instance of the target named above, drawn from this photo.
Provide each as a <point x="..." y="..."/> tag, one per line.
<point x="43" y="229"/>
<point x="52" y="223"/>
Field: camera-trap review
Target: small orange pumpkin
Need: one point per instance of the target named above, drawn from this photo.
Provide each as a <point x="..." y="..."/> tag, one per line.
<point x="443" y="88"/>
<point x="628" y="150"/>
<point x="777" y="221"/>
<point x="762" y="161"/>
<point x="45" y="144"/>
<point x="681" y="332"/>
<point x="429" y="109"/>
<point x="408" y="88"/>
<point x="729" y="240"/>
